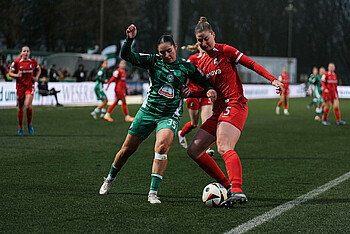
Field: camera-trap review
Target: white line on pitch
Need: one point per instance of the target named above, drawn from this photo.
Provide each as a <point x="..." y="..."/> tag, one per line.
<point x="287" y="206"/>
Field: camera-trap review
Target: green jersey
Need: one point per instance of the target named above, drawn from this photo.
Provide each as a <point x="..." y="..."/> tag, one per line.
<point x="100" y="79"/>
<point x="166" y="80"/>
<point x="316" y="81"/>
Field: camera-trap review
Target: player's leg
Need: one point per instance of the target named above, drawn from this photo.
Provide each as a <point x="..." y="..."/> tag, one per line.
<point x="103" y="107"/>
<point x="337" y="112"/>
<point x="204" y="138"/>
<point x="285" y="111"/>
<point x="325" y="112"/>
<point x="110" y="110"/>
<point x="29" y="111"/>
<point x="193" y="110"/>
<point x="206" y="112"/>
<point x="128" y="118"/>
<point x="164" y="139"/>
<point x="279" y="104"/>
<point x="130" y="145"/>
<point x="20" y="112"/>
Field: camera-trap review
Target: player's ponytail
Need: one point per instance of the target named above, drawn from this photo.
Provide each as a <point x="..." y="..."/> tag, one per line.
<point x="203" y="25"/>
<point x="190" y="47"/>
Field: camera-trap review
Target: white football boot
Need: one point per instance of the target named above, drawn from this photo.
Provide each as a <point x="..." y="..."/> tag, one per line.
<point x="106" y="186"/>
<point x="286" y="112"/>
<point x="93" y="114"/>
<point x="277" y="110"/>
<point x="153" y="199"/>
<point x="182" y="140"/>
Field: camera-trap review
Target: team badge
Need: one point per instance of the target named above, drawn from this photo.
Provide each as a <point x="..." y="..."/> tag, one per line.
<point x="216" y="61"/>
<point x="170" y="77"/>
<point x="166" y="91"/>
<point x="30" y="66"/>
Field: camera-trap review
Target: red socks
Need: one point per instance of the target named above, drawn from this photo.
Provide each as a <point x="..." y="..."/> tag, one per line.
<point x="234" y="170"/>
<point x="186" y="129"/>
<point x="208" y="164"/>
<point x="20" y="115"/>
<point x="286" y="104"/>
<point x="111" y="107"/>
<point x="279" y="104"/>
<point x="337" y="114"/>
<point x="125" y="109"/>
<point x="29" y="115"/>
<point x="325" y="114"/>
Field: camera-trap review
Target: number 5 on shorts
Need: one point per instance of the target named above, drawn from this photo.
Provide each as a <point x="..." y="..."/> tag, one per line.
<point x="227" y="111"/>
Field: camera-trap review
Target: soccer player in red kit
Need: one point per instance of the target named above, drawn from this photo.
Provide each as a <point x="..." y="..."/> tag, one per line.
<point x="330" y="95"/>
<point x="119" y="77"/>
<point x="22" y="69"/>
<point x="284" y="78"/>
<point x="195" y="104"/>
<point x="230" y="110"/>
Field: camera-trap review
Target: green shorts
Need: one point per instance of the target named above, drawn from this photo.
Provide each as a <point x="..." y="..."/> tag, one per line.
<point x="100" y="94"/>
<point x="145" y="122"/>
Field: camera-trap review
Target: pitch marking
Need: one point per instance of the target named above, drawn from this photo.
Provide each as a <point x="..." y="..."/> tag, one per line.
<point x="287" y="206"/>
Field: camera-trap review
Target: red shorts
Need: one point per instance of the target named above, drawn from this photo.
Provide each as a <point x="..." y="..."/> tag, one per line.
<point x="196" y="103"/>
<point x="119" y="94"/>
<point x="235" y="114"/>
<point x="23" y="91"/>
<point x="329" y="97"/>
<point x="285" y="91"/>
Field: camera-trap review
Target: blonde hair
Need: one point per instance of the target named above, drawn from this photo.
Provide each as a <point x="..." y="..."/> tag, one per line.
<point x="203" y="25"/>
<point x="190" y="47"/>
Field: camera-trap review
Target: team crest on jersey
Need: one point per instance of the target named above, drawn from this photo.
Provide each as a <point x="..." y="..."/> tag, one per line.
<point x="30" y="66"/>
<point x="170" y="77"/>
<point x="216" y="61"/>
<point x="167" y="91"/>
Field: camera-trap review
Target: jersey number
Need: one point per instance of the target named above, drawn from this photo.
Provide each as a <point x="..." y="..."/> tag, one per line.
<point x="172" y="123"/>
<point x="227" y="111"/>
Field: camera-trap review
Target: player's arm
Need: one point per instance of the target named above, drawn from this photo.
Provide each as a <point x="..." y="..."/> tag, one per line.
<point x="197" y="77"/>
<point x="138" y="59"/>
<point x="38" y="72"/>
<point x="324" y="83"/>
<point x="110" y="81"/>
<point x="13" y="69"/>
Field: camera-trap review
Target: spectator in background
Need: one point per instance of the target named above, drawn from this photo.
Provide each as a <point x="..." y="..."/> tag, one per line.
<point x="3" y="66"/>
<point x="44" y="89"/>
<point x="80" y="74"/>
<point x="43" y="71"/>
<point x="135" y="76"/>
<point x="53" y="75"/>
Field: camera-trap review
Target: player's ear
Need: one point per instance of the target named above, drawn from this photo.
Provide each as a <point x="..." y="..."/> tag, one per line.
<point x="175" y="46"/>
<point x="213" y="35"/>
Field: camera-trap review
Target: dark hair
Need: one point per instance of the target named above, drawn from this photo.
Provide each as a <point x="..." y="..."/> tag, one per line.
<point x="166" y="38"/>
<point x="203" y="25"/>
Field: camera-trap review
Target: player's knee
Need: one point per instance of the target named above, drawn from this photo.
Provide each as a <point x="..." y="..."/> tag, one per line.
<point x="223" y="148"/>
<point x="162" y="148"/>
<point x="193" y="152"/>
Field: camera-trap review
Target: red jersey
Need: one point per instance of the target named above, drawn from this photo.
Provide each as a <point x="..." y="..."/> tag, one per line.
<point x="119" y="76"/>
<point x="284" y="78"/>
<point x="190" y="84"/>
<point x="219" y="68"/>
<point x="27" y="67"/>
<point x="330" y="82"/>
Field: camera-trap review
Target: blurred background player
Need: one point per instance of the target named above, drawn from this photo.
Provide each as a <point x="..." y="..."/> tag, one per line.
<point x="100" y="79"/>
<point x="195" y="104"/>
<point x="330" y="95"/>
<point x="315" y="91"/>
<point x="284" y="78"/>
<point x="224" y="127"/>
<point x="120" y="89"/>
<point x="161" y="110"/>
<point x="23" y="70"/>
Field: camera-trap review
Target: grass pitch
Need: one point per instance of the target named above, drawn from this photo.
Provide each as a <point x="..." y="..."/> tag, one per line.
<point x="49" y="182"/>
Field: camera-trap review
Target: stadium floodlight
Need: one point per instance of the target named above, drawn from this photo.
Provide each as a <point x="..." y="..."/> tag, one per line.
<point x="290" y="9"/>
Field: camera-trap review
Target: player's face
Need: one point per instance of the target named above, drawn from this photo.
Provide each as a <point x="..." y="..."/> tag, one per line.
<point x="315" y="71"/>
<point x="331" y="67"/>
<point x="105" y="65"/>
<point x="322" y="71"/>
<point x="285" y="70"/>
<point x="206" y="40"/>
<point x="25" y="52"/>
<point x="167" y="51"/>
<point x="122" y="64"/>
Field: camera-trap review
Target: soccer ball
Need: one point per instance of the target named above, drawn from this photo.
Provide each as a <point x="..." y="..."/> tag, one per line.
<point x="214" y="194"/>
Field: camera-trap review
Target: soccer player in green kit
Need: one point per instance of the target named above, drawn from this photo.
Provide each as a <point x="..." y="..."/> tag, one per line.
<point x="100" y="80"/>
<point x="315" y="88"/>
<point x="162" y="108"/>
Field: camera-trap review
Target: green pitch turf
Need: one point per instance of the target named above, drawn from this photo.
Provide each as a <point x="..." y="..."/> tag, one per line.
<point x="49" y="182"/>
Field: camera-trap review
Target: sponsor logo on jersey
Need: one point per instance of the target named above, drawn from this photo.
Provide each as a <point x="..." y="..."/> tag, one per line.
<point x="170" y="77"/>
<point x="213" y="73"/>
<point x="166" y="91"/>
<point x="216" y="61"/>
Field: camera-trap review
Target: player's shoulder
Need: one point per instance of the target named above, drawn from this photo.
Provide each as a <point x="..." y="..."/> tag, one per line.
<point x="17" y="60"/>
<point x="32" y="60"/>
<point x="193" y="57"/>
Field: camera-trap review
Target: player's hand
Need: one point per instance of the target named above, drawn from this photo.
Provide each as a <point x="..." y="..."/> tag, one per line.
<point x="326" y="91"/>
<point x="185" y="91"/>
<point x="19" y="74"/>
<point x="278" y="85"/>
<point x="131" y="31"/>
<point x="36" y="79"/>
<point x="211" y="93"/>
